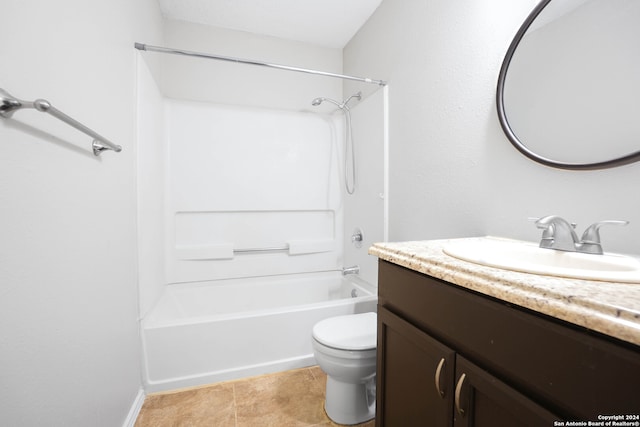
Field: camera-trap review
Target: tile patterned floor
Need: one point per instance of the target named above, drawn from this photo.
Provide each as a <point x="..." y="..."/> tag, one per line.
<point x="286" y="399"/>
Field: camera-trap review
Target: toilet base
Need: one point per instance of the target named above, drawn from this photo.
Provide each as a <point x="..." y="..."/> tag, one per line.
<point x="348" y="403"/>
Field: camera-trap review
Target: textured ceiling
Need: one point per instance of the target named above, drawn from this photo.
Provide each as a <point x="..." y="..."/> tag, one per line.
<point x="329" y="23"/>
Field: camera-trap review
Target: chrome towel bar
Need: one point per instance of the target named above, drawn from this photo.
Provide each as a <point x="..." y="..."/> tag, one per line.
<point x="9" y="105"/>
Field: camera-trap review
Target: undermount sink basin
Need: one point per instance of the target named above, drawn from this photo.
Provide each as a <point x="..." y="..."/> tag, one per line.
<point x="529" y="258"/>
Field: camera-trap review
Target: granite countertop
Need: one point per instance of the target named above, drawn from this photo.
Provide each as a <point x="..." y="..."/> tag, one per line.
<point x="609" y="308"/>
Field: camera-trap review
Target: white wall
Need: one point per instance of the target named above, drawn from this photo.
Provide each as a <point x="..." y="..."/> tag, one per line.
<point x="69" y="346"/>
<point x="452" y="171"/>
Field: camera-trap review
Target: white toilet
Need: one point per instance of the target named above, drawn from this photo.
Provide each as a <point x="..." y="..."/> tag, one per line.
<point x="345" y="349"/>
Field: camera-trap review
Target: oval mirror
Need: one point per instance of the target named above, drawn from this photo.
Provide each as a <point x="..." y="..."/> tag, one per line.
<point x="569" y="87"/>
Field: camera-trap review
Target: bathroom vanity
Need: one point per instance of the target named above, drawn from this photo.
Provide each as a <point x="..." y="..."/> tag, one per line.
<point x="467" y="345"/>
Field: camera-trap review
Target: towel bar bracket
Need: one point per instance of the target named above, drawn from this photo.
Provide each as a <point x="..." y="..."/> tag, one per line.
<point x="9" y="104"/>
<point x="98" y="147"/>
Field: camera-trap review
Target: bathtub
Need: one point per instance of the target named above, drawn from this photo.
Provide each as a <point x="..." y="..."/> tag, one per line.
<point x="201" y="333"/>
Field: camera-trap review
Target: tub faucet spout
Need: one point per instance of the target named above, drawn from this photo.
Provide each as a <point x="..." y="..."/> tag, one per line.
<point x="351" y="270"/>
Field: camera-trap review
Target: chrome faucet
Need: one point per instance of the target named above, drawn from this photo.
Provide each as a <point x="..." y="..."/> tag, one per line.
<point x="560" y="235"/>
<point x="351" y="270"/>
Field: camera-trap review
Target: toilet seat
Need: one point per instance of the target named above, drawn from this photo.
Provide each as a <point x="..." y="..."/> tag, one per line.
<point x="354" y="332"/>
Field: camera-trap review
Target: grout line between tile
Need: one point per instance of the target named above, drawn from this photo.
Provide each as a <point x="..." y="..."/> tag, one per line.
<point x="235" y="406"/>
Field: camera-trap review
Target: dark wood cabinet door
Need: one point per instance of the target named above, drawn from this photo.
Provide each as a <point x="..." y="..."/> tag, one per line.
<point x="532" y="361"/>
<point x="481" y="400"/>
<point x="415" y="376"/>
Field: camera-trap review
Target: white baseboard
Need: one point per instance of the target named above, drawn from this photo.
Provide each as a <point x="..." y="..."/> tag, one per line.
<point x="230" y="374"/>
<point x="135" y="409"/>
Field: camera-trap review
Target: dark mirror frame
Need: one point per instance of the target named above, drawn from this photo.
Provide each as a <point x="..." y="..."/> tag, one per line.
<point x="504" y="123"/>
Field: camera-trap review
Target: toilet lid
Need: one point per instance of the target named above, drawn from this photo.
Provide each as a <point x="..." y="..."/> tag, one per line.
<point x="350" y="332"/>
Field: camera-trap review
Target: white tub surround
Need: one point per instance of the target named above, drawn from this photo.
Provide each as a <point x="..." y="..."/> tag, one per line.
<point x="206" y="332"/>
<point x="609" y="308"/>
<point x="251" y="192"/>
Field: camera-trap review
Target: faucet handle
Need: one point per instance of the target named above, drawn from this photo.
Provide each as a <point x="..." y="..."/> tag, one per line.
<point x="590" y="242"/>
<point x="592" y="233"/>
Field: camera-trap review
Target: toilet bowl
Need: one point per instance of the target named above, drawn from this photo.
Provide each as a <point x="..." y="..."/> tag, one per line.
<point x="345" y="349"/>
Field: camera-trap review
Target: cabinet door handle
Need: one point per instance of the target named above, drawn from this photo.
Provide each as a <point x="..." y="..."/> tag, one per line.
<point x="458" y="392"/>
<point x="438" y="377"/>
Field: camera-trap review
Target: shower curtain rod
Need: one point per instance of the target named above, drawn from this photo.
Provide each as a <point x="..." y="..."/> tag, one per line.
<point x="149" y="48"/>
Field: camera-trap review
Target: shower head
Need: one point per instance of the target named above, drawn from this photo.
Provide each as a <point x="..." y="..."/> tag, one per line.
<point x="320" y="100"/>
<point x="343" y="106"/>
